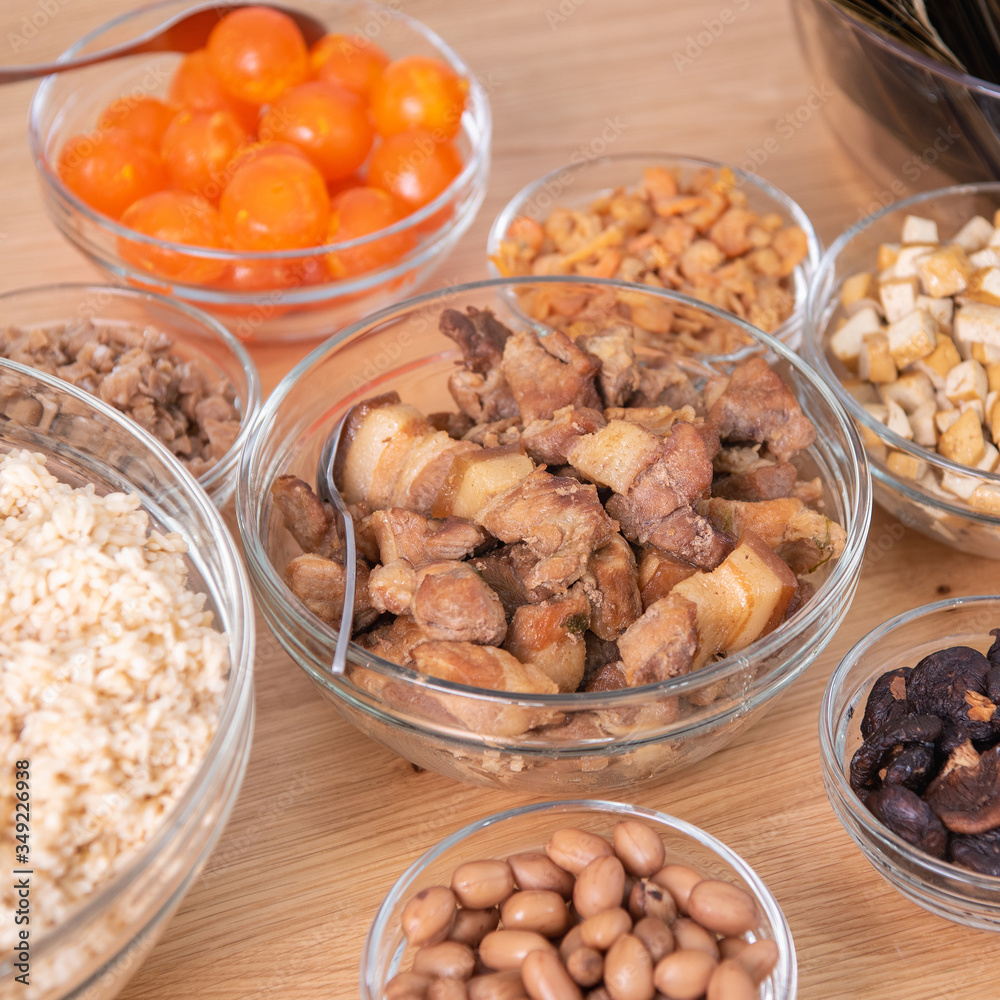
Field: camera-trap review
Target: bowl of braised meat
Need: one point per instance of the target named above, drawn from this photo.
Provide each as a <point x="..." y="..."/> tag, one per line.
<point x="582" y="561"/>
<point x="910" y="744"/>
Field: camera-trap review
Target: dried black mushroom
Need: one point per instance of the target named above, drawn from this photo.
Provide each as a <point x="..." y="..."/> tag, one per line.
<point x="978" y="851"/>
<point x="886" y="700"/>
<point x="993" y="677"/>
<point x="966" y="794"/>
<point x="913" y="767"/>
<point x="951" y="684"/>
<point x="870" y="757"/>
<point x="906" y="814"/>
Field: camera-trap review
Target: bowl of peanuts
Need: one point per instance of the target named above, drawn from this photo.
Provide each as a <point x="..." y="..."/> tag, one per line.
<point x="304" y="167"/>
<point x="573" y="898"/>
<point x="719" y="234"/>
<point x="904" y="323"/>
<point x="580" y="562"/>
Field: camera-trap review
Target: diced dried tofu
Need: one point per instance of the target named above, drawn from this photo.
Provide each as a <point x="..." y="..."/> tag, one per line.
<point x="917" y="229"/>
<point x="911" y="390"/>
<point x="941" y="360"/>
<point x="911" y="338"/>
<point x="907" y="466"/>
<point x="977" y="407"/>
<point x="944" y="419"/>
<point x="993" y="376"/>
<point x="942" y="310"/>
<point x="974" y="235"/>
<point x="886" y="257"/>
<point x="874" y="445"/>
<point x="986" y="497"/>
<point x="977" y="322"/>
<point x="994" y="421"/>
<point x="898" y="297"/>
<point x="944" y="271"/>
<point x="879" y="411"/>
<point x="856" y="287"/>
<point x="931" y="484"/>
<point x="846" y="342"/>
<point x="960" y="485"/>
<point x="875" y="361"/>
<point x="984" y="286"/>
<point x="906" y="259"/>
<point x="963" y="441"/>
<point x="897" y="421"/>
<point x="966" y="382"/>
<point x="985" y="354"/>
<point x="616" y="454"/>
<point x="987" y="257"/>
<point x="862" y="391"/>
<point x="922" y="422"/>
<point x="988" y="463"/>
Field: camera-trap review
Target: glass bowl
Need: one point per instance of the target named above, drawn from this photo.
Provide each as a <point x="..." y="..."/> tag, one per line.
<point x="303" y="302"/>
<point x="527" y="829"/>
<point x="101" y="944"/>
<point x="616" y="738"/>
<point x="196" y="337"/>
<point x="955" y="893"/>
<point x="919" y="503"/>
<point x="910" y="121"/>
<point x="577" y="185"/>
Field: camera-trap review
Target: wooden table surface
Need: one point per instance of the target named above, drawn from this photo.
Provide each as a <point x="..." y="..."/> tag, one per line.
<point x="326" y="820"/>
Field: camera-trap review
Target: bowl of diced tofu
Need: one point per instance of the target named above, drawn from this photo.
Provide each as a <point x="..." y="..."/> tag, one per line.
<point x="582" y="561"/>
<point x="903" y="320"/>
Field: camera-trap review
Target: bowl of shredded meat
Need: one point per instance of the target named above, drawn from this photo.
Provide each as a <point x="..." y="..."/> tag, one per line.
<point x="581" y="561"/>
<point x="171" y="368"/>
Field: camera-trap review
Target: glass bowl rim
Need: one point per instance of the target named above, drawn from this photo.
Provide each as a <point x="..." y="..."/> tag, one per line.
<point x="478" y="107"/>
<point x="860" y="499"/>
<point x="237" y="706"/>
<point x="913" y="57"/>
<point x="781" y="932"/>
<point x="509" y="212"/>
<point x="833" y="769"/>
<point x="211" y="325"/>
<point x="819" y="299"/>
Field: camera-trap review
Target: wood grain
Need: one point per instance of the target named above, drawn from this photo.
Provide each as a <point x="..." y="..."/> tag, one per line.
<point x="326" y="819"/>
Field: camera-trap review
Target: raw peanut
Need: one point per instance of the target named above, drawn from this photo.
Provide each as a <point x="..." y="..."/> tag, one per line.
<point x="506" y="949"/>
<point x="684" y="975"/>
<point x="599" y="886"/>
<point x="539" y="871"/>
<point x="447" y="989"/>
<point x="639" y="846"/>
<point x="759" y="958"/>
<point x="482" y="884"/>
<point x="730" y="947"/>
<point x="598" y="993"/>
<point x="649" y="900"/>
<point x="471" y="926"/>
<point x="572" y="940"/>
<point x="429" y="916"/>
<point x="536" y="910"/>
<point x="730" y="981"/>
<point x="724" y="908"/>
<point x="546" y="978"/>
<point x="574" y="849"/>
<point x="497" y="986"/>
<point x="602" y="929"/>
<point x="656" y="936"/>
<point x="406" y="986"/>
<point x="585" y="966"/>
<point x="447" y="960"/>
<point x="678" y="880"/>
<point x="691" y="936"/>
<point x="628" y="970"/>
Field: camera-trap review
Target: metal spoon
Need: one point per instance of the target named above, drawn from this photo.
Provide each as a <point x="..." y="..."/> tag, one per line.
<point x="326" y="489"/>
<point x="185" y="32"/>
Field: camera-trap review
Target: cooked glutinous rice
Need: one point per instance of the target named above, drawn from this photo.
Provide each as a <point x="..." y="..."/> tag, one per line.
<point x="111" y="680"/>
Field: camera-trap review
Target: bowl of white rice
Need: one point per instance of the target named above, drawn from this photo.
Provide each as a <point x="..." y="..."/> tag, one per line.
<point x="126" y="699"/>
